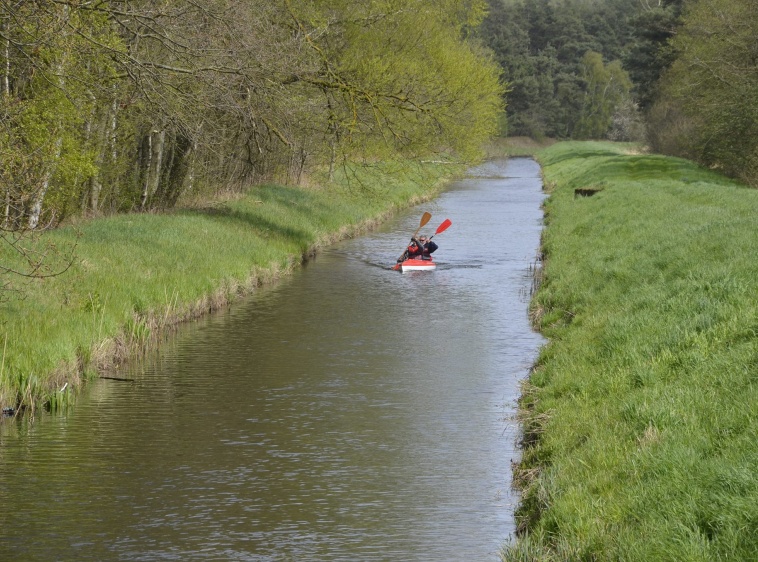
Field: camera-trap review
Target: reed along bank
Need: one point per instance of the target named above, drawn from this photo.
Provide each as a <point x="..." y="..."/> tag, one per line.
<point x="640" y="418"/>
<point x="135" y="276"/>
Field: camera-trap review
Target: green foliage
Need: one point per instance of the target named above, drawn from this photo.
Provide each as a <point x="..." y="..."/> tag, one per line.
<point x="649" y="54"/>
<point x="108" y="109"/>
<point x="407" y="83"/>
<point x="54" y="79"/>
<point x="607" y="87"/>
<point x="542" y="47"/>
<point x="644" y="401"/>
<point x="709" y="108"/>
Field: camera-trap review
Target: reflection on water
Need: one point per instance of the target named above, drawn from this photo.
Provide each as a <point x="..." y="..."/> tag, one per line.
<point x="348" y="413"/>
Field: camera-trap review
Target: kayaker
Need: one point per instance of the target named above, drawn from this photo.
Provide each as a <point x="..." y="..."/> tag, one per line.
<point x="414" y="250"/>
<point x="428" y="247"/>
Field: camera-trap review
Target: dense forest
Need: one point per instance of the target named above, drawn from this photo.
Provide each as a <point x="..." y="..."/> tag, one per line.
<point x="681" y="75"/>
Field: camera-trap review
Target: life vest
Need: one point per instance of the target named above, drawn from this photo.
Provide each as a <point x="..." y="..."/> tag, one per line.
<point x="415" y="250"/>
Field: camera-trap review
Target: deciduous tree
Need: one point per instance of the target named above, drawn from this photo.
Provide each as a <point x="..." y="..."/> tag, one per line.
<point x="128" y="105"/>
<point x="713" y="87"/>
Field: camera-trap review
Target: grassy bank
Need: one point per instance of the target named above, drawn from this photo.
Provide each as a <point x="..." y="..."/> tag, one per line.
<point x="641" y="417"/>
<point x="135" y="276"/>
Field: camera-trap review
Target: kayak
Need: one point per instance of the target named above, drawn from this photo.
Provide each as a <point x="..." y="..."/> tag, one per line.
<point x="418" y="265"/>
<point x="426" y="264"/>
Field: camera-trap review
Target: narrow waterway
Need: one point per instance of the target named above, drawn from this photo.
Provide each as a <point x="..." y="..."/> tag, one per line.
<point x="349" y="412"/>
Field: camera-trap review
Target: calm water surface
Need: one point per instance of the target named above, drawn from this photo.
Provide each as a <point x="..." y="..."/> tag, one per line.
<point x="348" y="413"/>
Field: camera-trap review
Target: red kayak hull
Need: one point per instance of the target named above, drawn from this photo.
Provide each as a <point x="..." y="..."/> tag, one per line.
<point x="417" y="265"/>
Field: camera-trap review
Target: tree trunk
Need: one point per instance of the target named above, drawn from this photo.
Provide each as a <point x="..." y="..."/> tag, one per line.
<point x="103" y="149"/>
<point x="6" y="84"/>
<point x="148" y="151"/>
<point x="178" y="171"/>
<point x="332" y="157"/>
<point x="6" y="80"/>
<point x="110" y="145"/>
<point x="36" y="209"/>
<point x="7" y="210"/>
<point x="158" y="160"/>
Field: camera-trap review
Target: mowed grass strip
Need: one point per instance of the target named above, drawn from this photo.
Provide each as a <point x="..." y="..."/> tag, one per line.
<point x="641" y="416"/>
<point x="136" y="275"/>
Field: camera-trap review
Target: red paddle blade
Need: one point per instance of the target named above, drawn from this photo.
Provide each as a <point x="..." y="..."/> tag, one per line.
<point x="444" y="226"/>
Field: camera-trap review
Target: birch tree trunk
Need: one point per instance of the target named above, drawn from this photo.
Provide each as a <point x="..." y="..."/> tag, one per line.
<point x="36" y="209"/>
<point x="158" y="160"/>
<point x="7" y="210"/>
<point x="6" y="81"/>
<point x="104" y="151"/>
<point x="156" y="143"/>
<point x="39" y="197"/>
<point x="148" y="168"/>
<point x="6" y="90"/>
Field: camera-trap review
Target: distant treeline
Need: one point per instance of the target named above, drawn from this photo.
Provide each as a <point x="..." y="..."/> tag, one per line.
<point x="129" y="105"/>
<point x="680" y="74"/>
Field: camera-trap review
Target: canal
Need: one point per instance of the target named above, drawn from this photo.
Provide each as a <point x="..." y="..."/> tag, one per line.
<point x="349" y="412"/>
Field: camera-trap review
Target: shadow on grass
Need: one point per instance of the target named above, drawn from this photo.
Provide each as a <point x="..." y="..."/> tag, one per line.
<point x="287" y="209"/>
<point x="557" y="158"/>
<point x="648" y="167"/>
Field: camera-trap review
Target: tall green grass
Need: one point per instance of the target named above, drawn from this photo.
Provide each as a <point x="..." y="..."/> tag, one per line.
<point x="641" y="417"/>
<point x="136" y="275"/>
